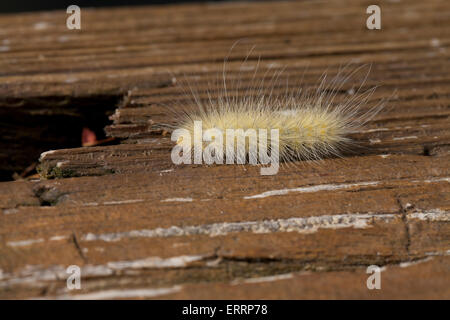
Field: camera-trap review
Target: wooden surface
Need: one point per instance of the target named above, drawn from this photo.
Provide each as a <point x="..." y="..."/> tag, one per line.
<point x="139" y="226"/>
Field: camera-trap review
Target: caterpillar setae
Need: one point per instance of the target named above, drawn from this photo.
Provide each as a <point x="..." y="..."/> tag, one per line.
<point x="311" y="123"/>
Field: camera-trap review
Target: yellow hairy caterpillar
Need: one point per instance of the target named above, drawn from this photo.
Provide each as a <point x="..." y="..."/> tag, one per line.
<point x="310" y="124"/>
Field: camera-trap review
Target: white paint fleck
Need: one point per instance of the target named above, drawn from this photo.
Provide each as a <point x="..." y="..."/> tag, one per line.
<point x="433" y="180"/>
<point x="123" y="201"/>
<point x="412" y="263"/>
<point x="376" y="130"/>
<point x="44" y="154"/>
<point x="24" y="243"/>
<point x="269" y="278"/>
<point x="435" y="42"/>
<point x="96" y="271"/>
<point x="316" y="188"/>
<point x="384" y="156"/>
<point x="90" y="204"/>
<point x="301" y="225"/>
<point x="10" y="211"/>
<point x="58" y="238"/>
<point x="373" y="141"/>
<point x="35" y="275"/>
<point x="438" y="253"/>
<point x="154" y="262"/>
<point x="165" y="171"/>
<point x="177" y="200"/>
<point x="430" y="215"/>
<point x="404" y="138"/>
<point x="40" y="25"/>
<point x="59" y="164"/>
<point x="120" y="294"/>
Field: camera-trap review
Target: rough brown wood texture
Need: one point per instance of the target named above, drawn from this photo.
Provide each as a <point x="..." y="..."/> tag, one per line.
<point x="141" y="227"/>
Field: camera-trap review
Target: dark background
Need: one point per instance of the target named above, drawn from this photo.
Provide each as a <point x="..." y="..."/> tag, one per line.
<point x="38" y="5"/>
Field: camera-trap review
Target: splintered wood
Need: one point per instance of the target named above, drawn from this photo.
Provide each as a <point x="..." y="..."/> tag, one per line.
<point x="139" y="226"/>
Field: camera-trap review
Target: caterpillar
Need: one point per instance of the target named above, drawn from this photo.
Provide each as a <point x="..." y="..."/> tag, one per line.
<point x="311" y="123"/>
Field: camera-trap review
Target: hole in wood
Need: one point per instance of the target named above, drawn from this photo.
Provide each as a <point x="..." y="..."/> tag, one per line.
<point x="31" y="127"/>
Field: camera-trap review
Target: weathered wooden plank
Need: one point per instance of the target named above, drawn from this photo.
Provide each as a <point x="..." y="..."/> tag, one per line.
<point x="136" y="221"/>
<point x="121" y="279"/>
<point x="428" y="279"/>
<point x="329" y="222"/>
<point x="241" y="181"/>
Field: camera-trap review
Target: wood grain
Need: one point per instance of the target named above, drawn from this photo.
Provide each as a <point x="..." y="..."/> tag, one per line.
<point x="132" y="220"/>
